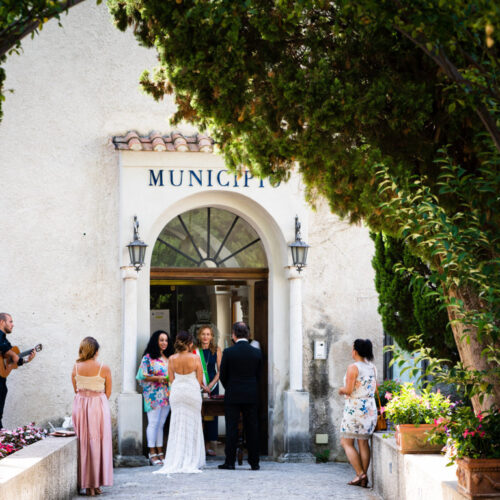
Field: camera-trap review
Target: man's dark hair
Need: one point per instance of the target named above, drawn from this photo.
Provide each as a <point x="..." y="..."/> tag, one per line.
<point x="4" y="316"/>
<point x="241" y="330"/>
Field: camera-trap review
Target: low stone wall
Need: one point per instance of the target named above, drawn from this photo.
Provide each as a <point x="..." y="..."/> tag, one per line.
<point x="46" y="469"/>
<point x="411" y="477"/>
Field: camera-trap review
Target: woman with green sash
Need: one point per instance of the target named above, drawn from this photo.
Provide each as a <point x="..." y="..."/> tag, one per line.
<point x="210" y="356"/>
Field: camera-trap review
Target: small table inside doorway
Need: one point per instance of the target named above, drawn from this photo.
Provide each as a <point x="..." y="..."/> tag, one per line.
<point x="214" y="407"/>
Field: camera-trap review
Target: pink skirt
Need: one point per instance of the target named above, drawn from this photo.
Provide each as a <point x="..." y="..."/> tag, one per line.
<point x="92" y="422"/>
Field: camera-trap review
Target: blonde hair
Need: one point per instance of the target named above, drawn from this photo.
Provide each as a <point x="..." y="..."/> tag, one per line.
<point x="211" y="345"/>
<point x="88" y="349"/>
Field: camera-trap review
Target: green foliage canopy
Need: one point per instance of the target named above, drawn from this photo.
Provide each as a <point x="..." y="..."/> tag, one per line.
<point x="330" y="85"/>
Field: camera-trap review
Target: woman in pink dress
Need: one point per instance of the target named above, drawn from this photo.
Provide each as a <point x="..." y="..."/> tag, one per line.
<point x="92" y="418"/>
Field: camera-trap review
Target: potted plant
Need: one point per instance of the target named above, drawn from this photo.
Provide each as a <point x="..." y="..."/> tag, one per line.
<point x="414" y="414"/>
<point x="387" y="390"/>
<point x="475" y="447"/>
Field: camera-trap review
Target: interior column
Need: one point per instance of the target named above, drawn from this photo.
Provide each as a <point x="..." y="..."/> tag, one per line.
<point x="224" y="315"/>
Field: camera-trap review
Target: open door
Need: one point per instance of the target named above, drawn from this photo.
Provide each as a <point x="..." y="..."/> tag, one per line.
<point x="260" y="333"/>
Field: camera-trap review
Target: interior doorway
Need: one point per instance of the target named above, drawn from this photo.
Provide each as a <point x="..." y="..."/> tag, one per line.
<point x="180" y="304"/>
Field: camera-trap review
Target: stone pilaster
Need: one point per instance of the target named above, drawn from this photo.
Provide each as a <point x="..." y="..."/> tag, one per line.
<point x="129" y="401"/>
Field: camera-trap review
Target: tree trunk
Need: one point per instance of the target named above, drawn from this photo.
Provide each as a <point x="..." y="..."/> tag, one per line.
<point x="469" y="346"/>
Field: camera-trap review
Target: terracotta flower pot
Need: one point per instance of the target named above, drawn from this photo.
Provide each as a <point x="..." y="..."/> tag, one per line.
<point x="413" y="439"/>
<point x="479" y="477"/>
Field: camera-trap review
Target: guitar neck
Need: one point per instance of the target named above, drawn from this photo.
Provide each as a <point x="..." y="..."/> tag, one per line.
<point x="25" y="353"/>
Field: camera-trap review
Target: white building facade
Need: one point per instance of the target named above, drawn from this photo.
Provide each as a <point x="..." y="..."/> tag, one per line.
<point x="78" y="162"/>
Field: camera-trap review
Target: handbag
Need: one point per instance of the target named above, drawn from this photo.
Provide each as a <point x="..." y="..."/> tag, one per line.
<point x="381" y="422"/>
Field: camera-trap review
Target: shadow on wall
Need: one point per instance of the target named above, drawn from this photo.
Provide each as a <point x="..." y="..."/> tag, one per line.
<point x="324" y="408"/>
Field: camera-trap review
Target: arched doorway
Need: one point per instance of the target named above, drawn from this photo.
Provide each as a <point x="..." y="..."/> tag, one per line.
<point x="209" y="266"/>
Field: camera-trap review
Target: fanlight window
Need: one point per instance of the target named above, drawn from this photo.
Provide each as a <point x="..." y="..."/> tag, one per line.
<point x="208" y="237"/>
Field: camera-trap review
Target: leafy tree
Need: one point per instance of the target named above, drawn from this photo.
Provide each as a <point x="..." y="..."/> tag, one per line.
<point x="389" y="109"/>
<point x="20" y="18"/>
<point x="404" y="306"/>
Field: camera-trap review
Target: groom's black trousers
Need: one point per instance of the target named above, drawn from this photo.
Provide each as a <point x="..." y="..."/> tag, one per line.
<point x="250" y="426"/>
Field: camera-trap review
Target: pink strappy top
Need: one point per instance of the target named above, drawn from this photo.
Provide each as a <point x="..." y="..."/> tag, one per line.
<point x="84" y="383"/>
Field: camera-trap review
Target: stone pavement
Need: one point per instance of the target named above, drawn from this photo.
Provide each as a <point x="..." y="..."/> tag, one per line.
<point x="274" y="481"/>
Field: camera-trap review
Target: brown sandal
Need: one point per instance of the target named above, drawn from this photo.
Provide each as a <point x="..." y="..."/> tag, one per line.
<point x="364" y="481"/>
<point x="356" y="481"/>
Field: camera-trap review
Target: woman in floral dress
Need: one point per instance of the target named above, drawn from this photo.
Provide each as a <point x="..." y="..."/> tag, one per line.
<point x="360" y="411"/>
<point x="153" y="377"/>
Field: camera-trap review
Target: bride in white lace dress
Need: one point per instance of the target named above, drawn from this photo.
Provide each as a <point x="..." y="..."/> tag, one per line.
<point x="185" y="447"/>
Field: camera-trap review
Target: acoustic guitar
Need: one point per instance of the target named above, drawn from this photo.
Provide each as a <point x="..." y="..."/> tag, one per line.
<point x="3" y="363"/>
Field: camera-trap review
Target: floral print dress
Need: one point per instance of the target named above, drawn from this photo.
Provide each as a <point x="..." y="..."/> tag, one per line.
<point x="360" y="411"/>
<point x="155" y="394"/>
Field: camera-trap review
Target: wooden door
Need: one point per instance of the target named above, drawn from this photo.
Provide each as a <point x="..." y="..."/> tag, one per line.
<point x="260" y="333"/>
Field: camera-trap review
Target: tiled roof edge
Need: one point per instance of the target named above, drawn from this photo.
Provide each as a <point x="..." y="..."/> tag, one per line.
<point x="173" y="141"/>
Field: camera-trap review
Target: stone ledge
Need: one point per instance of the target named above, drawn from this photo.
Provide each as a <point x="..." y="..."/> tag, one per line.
<point x="46" y="469"/>
<point x="411" y="477"/>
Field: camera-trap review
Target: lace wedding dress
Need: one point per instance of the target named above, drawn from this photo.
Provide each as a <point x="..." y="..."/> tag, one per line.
<point x="185" y="447"/>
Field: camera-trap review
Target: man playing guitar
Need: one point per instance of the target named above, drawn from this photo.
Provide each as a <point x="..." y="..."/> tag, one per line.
<point x="12" y="360"/>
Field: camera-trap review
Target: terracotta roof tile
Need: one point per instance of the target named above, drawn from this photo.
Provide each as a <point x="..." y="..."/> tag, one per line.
<point x="154" y="141"/>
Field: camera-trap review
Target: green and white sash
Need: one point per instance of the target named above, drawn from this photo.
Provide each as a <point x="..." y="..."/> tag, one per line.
<point x="203" y="365"/>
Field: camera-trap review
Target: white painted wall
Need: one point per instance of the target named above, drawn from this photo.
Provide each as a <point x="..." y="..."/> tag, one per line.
<point x="340" y="304"/>
<point x="74" y="87"/>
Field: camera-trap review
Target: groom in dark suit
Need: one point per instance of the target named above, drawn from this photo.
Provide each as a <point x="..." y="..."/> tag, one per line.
<point x="239" y="373"/>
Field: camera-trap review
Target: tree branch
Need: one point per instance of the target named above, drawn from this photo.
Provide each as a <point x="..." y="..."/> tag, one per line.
<point x="9" y="42"/>
<point x="454" y="74"/>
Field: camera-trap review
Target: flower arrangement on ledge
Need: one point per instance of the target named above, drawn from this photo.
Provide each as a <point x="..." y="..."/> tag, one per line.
<point x="409" y="407"/>
<point x="473" y="442"/>
<point x="413" y="414"/>
<point x="14" y="440"/>
<point x="469" y="435"/>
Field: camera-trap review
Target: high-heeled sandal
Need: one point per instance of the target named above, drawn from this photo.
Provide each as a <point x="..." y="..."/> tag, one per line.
<point x="153" y="459"/>
<point x="356" y="481"/>
<point x="161" y="457"/>
<point x="364" y="481"/>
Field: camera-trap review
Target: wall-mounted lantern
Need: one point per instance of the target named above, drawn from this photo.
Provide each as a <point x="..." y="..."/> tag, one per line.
<point x="137" y="248"/>
<point x="299" y="248"/>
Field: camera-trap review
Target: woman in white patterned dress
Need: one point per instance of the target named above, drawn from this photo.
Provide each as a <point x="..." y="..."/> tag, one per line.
<point x="185" y="447"/>
<point x="360" y="411"/>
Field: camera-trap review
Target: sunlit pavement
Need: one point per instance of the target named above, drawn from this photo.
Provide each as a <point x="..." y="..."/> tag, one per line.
<point x="275" y="481"/>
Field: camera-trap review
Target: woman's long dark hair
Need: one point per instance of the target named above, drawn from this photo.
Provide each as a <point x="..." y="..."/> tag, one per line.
<point x="153" y="349"/>
<point x="364" y="348"/>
